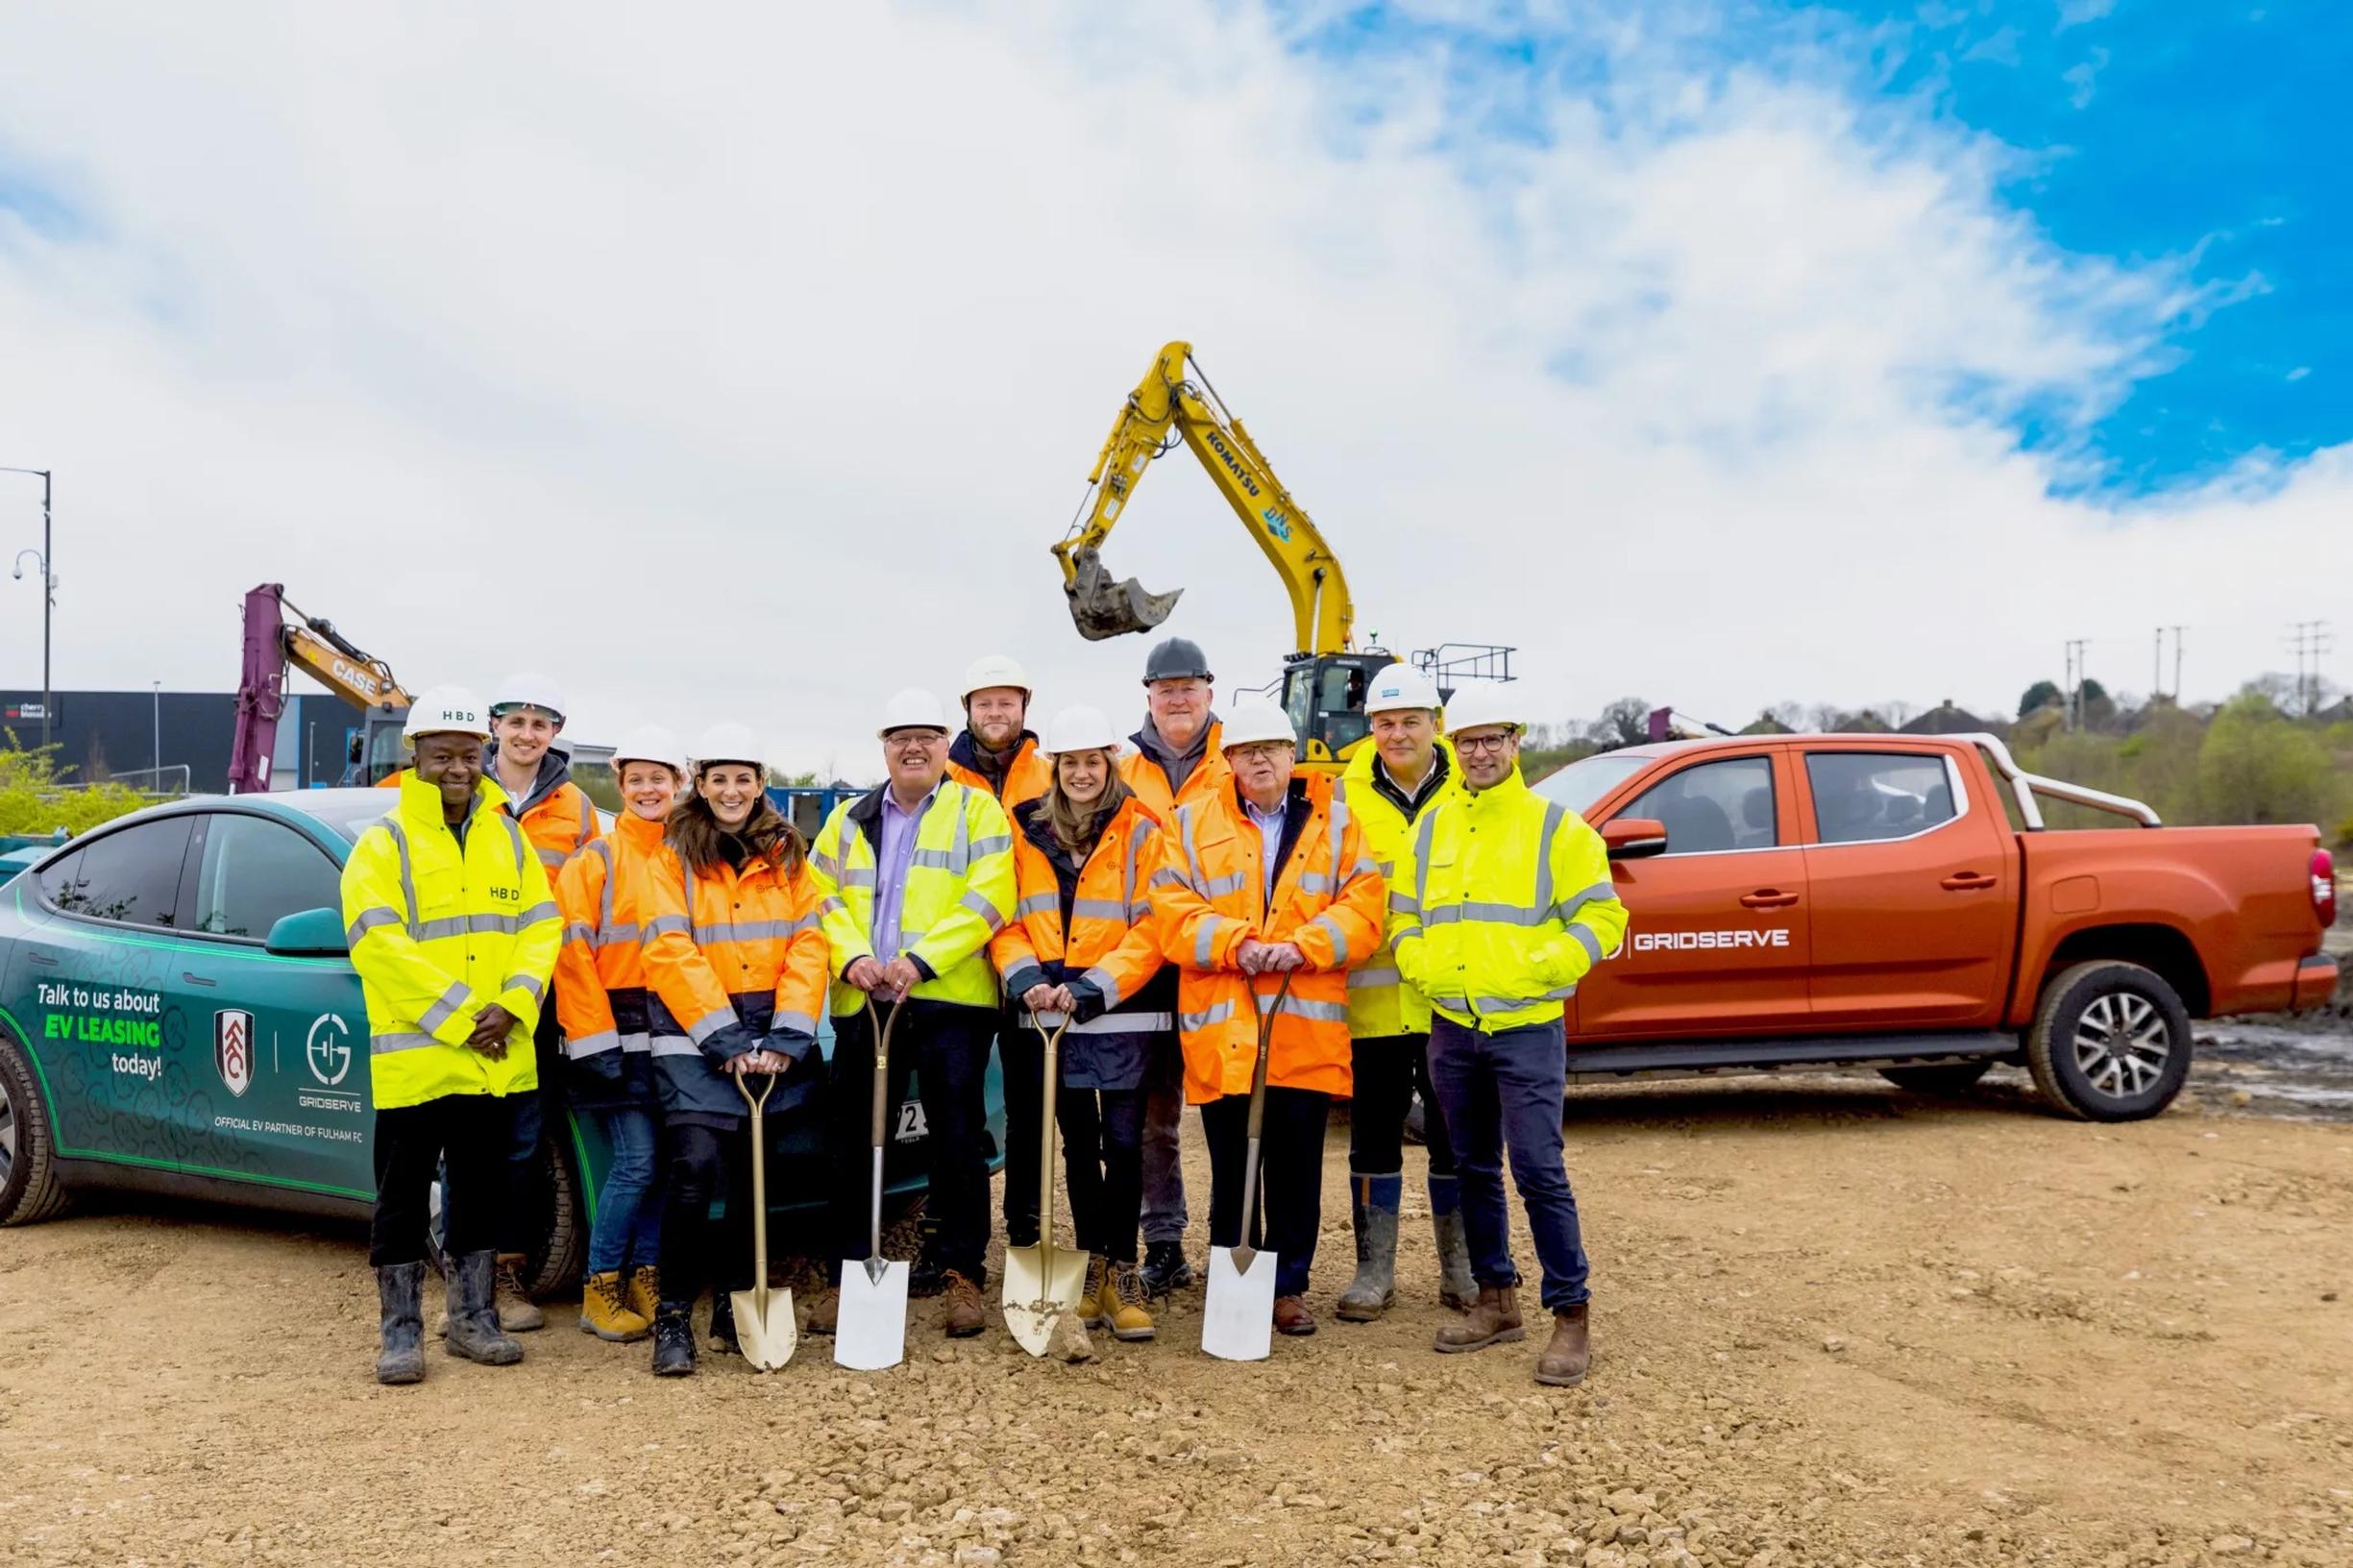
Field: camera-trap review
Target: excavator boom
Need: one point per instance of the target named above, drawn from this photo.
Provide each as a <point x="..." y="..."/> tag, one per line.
<point x="276" y="636"/>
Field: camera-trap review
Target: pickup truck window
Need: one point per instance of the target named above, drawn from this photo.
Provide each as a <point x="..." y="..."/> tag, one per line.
<point x="1710" y="807"/>
<point x="1587" y="780"/>
<point x="1863" y="797"/>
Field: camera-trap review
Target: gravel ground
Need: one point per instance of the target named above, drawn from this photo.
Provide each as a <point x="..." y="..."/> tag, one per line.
<point x="1835" y="1324"/>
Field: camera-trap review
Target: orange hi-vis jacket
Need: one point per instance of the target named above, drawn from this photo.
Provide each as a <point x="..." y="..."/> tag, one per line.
<point x="601" y="974"/>
<point x="1026" y="776"/>
<point x="557" y="822"/>
<point x="1146" y="776"/>
<point x="1327" y="899"/>
<point x="1111" y="945"/>
<point x="743" y="968"/>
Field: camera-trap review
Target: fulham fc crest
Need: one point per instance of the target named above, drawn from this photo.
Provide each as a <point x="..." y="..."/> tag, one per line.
<point x="232" y="1049"/>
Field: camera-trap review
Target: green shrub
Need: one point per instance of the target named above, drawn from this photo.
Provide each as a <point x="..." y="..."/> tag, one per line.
<point x="34" y="800"/>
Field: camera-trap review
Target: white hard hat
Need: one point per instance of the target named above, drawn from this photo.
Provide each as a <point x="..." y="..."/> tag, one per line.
<point x="729" y="742"/>
<point x="914" y="708"/>
<point x="994" y="670"/>
<point x="1400" y="686"/>
<point x="1482" y="703"/>
<point x="651" y="742"/>
<point x="529" y="690"/>
<point x="1254" y="718"/>
<point x="446" y="710"/>
<point x="1080" y="729"/>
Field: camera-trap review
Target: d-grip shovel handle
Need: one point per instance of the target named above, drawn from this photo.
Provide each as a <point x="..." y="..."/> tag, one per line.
<point x="882" y="1066"/>
<point x="1257" y="1074"/>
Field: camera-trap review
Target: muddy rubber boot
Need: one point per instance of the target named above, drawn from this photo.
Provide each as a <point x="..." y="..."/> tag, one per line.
<point x="474" y="1331"/>
<point x="517" y="1312"/>
<point x="643" y="1295"/>
<point x="1369" y="1294"/>
<point x="723" y="1341"/>
<point x="606" y="1315"/>
<point x="1165" y="1268"/>
<point x="1455" y="1286"/>
<point x="399" y="1296"/>
<point x="1494" y="1319"/>
<point x="673" y="1339"/>
<point x="1565" y="1361"/>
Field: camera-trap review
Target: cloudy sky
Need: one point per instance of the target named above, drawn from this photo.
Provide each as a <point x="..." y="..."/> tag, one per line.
<point x="736" y="362"/>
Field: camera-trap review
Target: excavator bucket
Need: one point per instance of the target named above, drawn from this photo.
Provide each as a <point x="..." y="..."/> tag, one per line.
<point x="1102" y="607"/>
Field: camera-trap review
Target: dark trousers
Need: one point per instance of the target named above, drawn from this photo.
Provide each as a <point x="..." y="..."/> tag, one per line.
<point x="1389" y="1069"/>
<point x="1290" y="1199"/>
<point x="529" y="1197"/>
<point x="468" y="1133"/>
<point x="1020" y="1055"/>
<point x="1501" y="1092"/>
<point x="701" y="1162"/>
<point x="1102" y="1161"/>
<point x="949" y="1047"/>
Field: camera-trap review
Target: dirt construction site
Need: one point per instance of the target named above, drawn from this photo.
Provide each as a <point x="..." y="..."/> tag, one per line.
<point x="1835" y="1323"/>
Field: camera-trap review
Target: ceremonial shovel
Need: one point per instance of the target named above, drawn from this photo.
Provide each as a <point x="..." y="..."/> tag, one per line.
<point x="871" y="1332"/>
<point x="1238" y="1314"/>
<point x="1042" y="1283"/>
<point x="765" y="1328"/>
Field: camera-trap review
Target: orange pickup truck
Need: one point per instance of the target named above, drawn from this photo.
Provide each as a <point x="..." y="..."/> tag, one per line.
<point x="1897" y="902"/>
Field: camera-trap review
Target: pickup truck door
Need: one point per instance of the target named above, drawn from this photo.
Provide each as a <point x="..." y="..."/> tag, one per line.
<point x="1718" y="943"/>
<point x="1915" y="889"/>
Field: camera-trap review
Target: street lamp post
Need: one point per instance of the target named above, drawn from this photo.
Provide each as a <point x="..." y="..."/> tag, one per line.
<point x="49" y="592"/>
<point x="158" y="758"/>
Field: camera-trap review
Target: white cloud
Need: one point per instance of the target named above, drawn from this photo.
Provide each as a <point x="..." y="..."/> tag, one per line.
<point x="746" y="365"/>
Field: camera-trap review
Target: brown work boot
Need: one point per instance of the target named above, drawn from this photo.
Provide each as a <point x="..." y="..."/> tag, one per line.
<point x="1565" y="1359"/>
<point x="967" y="1314"/>
<point x="1494" y="1319"/>
<point x="825" y="1309"/>
<point x="1292" y="1317"/>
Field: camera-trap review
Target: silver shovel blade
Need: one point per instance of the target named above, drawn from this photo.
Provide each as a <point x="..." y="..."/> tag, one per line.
<point x="871" y="1333"/>
<point x="1237" y="1315"/>
<point x="766" y="1331"/>
<point x="1040" y="1288"/>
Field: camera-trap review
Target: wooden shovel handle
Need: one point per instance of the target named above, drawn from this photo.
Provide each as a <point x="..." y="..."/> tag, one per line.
<point x="1258" y="1073"/>
<point x="882" y="1064"/>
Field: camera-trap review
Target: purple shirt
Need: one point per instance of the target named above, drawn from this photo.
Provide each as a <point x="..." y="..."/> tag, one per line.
<point x="892" y="858"/>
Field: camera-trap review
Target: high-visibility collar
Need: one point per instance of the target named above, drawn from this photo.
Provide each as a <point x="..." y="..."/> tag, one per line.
<point x="421" y="801"/>
<point x="1498" y="796"/>
<point x="637" y="833"/>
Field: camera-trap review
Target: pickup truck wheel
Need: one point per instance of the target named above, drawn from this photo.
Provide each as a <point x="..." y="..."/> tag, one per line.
<point x="29" y="1190"/>
<point x="1943" y="1078"/>
<point x="2110" y="1042"/>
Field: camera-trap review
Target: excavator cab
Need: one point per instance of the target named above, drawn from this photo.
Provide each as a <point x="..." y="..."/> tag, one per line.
<point x="1324" y="695"/>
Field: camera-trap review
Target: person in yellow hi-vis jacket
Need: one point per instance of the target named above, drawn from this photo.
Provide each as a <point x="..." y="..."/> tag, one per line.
<point x="1505" y="905"/>
<point x="912" y="879"/>
<point x="454" y="934"/>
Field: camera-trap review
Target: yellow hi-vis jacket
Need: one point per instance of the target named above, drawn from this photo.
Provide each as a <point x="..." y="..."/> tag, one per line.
<point x="1380" y="1002"/>
<point x="1505" y="906"/>
<point x="438" y="934"/>
<point x="959" y="894"/>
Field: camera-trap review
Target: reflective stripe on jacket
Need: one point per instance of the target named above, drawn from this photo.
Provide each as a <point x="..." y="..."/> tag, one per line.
<point x="600" y="977"/>
<point x="1327" y="898"/>
<point x="439" y="933"/>
<point x="959" y="892"/>
<point x="1210" y="777"/>
<point x="1026" y="775"/>
<point x="1507" y="906"/>
<point x="1380" y="1002"/>
<point x="1112" y="941"/>
<point x="744" y="968"/>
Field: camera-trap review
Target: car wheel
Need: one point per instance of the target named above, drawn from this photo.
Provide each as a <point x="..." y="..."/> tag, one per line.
<point x="553" y="1266"/>
<point x="2110" y="1042"/>
<point x="1943" y="1078"/>
<point x="29" y="1190"/>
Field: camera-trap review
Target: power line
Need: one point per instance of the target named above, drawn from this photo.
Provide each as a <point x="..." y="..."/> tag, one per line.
<point x="2308" y="639"/>
<point x="2074" y="647"/>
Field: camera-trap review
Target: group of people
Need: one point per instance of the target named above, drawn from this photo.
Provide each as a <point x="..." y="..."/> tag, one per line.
<point x="1414" y="922"/>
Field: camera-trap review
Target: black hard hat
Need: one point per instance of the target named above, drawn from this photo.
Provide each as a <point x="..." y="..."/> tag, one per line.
<point x="1176" y="659"/>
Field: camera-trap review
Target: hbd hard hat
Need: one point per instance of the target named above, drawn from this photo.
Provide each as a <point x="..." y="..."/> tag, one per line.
<point x="651" y="742"/>
<point x="446" y="710"/>
<point x="914" y="708"/>
<point x="1400" y="686"/>
<point x="1254" y="718"/>
<point x="729" y="742"/>
<point x="994" y="670"/>
<point x="1483" y="705"/>
<point x="529" y="690"/>
<point x="1080" y="729"/>
<point x="1178" y="658"/>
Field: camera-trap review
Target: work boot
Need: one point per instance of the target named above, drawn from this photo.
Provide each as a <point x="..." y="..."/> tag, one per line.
<point x="1455" y="1286"/>
<point x="723" y="1325"/>
<point x="1122" y="1305"/>
<point x="673" y="1339"/>
<point x="1165" y="1268"/>
<point x="517" y="1312"/>
<point x="643" y="1295"/>
<point x="400" y="1297"/>
<point x="825" y="1310"/>
<point x="1375" y="1210"/>
<point x="1564" y="1360"/>
<point x="605" y="1312"/>
<point x="1494" y="1319"/>
<point x="474" y="1331"/>
<point x="1292" y="1317"/>
<point x="967" y="1313"/>
<point x="1091" y="1309"/>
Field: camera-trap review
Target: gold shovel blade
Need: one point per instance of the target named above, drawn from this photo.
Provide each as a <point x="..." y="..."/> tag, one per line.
<point x="766" y="1331"/>
<point x="1041" y="1285"/>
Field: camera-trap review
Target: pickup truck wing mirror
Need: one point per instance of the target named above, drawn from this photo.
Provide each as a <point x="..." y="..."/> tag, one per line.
<point x="308" y="932"/>
<point x="1634" y="838"/>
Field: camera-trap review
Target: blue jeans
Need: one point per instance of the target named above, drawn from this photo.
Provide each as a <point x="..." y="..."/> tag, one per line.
<point x="1507" y="1091"/>
<point x="628" y="1228"/>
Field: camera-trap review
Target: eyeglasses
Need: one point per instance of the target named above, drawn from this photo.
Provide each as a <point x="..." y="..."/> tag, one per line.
<point x="1473" y="745"/>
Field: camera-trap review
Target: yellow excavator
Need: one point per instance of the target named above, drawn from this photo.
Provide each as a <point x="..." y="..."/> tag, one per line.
<point x="1324" y="678"/>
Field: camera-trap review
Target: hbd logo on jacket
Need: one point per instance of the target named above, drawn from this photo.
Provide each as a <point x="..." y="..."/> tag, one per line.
<point x="232" y="1049"/>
